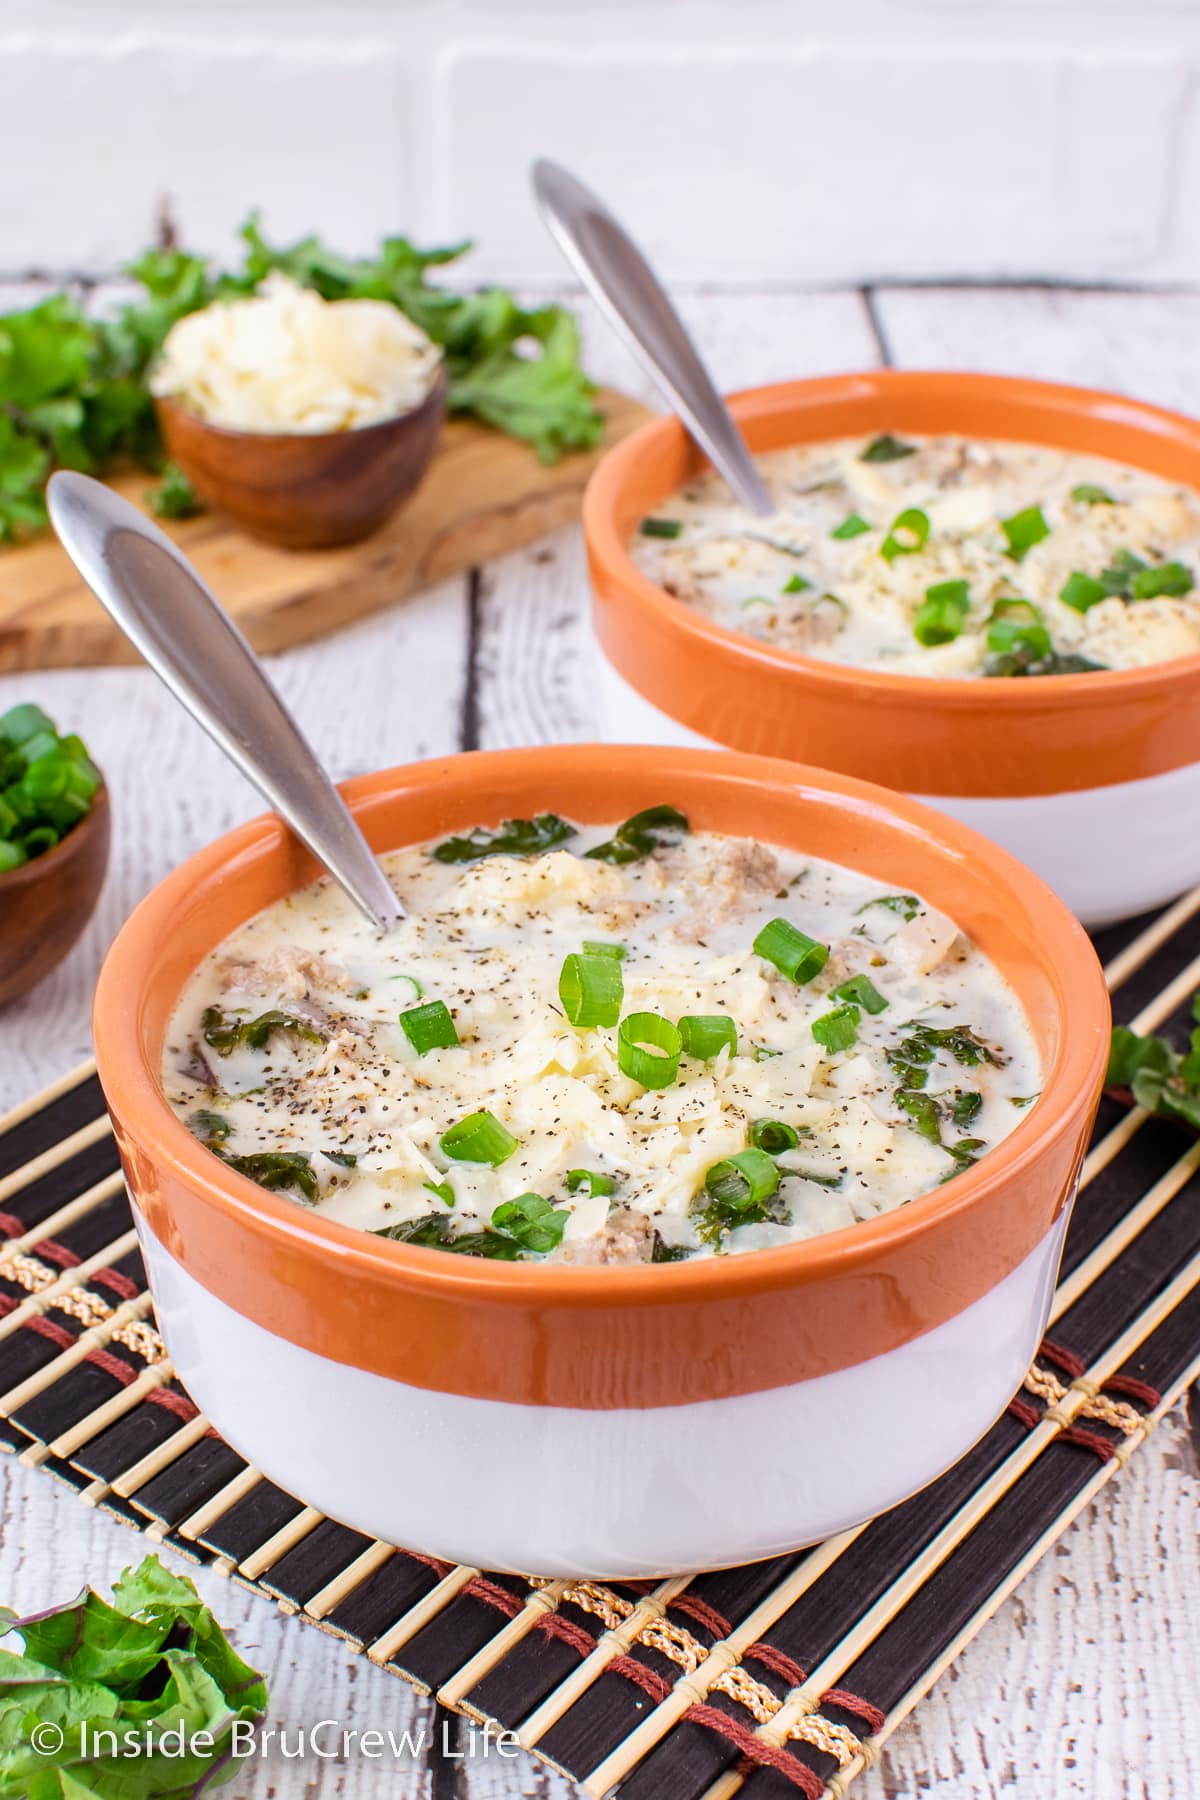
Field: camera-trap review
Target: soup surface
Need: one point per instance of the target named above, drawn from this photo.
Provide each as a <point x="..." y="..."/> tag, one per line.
<point x="613" y="1045"/>
<point x="941" y="556"/>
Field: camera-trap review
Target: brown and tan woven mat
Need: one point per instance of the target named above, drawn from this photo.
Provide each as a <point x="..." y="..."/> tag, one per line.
<point x="779" y="1678"/>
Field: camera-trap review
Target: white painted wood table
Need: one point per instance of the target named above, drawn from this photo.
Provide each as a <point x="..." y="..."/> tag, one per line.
<point x="1086" y="1683"/>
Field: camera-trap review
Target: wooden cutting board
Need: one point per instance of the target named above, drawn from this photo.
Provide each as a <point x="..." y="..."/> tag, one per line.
<point x="484" y="494"/>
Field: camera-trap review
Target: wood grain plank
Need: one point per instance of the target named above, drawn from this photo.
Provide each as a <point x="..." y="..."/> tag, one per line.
<point x="484" y="494"/>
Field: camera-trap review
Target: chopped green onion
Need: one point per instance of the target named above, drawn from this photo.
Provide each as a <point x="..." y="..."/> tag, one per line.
<point x="20" y="723"/>
<point x="442" y="1189"/>
<point x="838" y="1029"/>
<point x="1024" y="530"/>
<point x="596" y="947"/>
<point x="1082" y="591"/>
<point x="743" y="1180"/>
<point x="479" y="1138"/>
<point x="648" y="1049"/>
<point x="1087" y="495"/>
<point x="1169" y="578"/>
<point x="792" y="951"/>
<point x="429" y="1027"/>
<point x="886" y="449"/>
<point x="773" y="1136"/>
<point x="852" y="526"/>
<point x="942" y="613"/>
<point x="531" y="1222"/>
<point x="795" y="584"/>
<point x="344" y="1159"/>
<point x="862" y="990"/>
<point x="661" y="528"/>
<point x="588" y="1182"/>
<point x="1016" y="629"/>
<point x="516" y="837"/>
<point x="418" y="990"/>
<point x="591" y="989"/>
<point x="705" y="1035"/>
<point x="1117" y="578"/>
<point x="908" y="533"/>
<point x="651" y="829"/>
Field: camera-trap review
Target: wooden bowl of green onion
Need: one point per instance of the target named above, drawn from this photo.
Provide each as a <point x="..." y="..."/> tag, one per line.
<point x="54" y="836"/>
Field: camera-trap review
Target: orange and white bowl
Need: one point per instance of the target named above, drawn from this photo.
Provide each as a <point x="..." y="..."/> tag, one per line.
<point x="1090" y="779"/>
<point x="581" y="1420"/>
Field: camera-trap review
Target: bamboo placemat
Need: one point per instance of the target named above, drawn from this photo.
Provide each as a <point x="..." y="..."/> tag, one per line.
<point x="780" y="1677"/>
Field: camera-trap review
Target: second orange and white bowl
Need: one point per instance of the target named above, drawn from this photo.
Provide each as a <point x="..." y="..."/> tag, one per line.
<point x="1092" y="780"/>
<point x="578" y="1420"/>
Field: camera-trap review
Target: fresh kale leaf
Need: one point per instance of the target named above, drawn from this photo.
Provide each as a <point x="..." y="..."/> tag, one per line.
<point x="516" y="837"/>
<point x="151" y="1661"/>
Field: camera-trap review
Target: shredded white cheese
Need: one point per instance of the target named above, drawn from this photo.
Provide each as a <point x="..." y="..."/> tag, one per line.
<point x="285" y="360"/>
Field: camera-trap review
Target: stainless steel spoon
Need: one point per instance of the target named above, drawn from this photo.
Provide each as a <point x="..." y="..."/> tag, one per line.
<point x="156" y="597"/>
<point x="630" y="296"/>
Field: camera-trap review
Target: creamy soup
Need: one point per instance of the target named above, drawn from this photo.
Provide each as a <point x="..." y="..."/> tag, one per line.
<point x="941" y="556"/>
<point x="602" y="1045"/>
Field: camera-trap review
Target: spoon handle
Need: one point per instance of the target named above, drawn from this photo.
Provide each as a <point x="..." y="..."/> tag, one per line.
<point x="152" y="592"/>
<point x="633" y="301"/>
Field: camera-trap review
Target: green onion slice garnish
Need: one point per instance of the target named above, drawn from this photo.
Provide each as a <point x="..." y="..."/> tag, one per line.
<point x="886" y="449"/>
<point x="795" y="584"/>
<point x="1016" y="628"/>
<point x="531" y="1222"/>
<point x="589" y="1181"/>
<point x="852" y="526"/>
<point x="773" y="1136"/>
<point x="429" y="1027"/>
<point x="1024" y="530"/>
<point x="596" y="947"/>
<point x="863" y="992"/>
<point x="591" y="989"/>
<point x="837" y="1030"/>
<point x="442" y="1189"/>
<point x="1082" y="591"/>
<point x="479" y="1138"/>
<point x="1169" y="578"/>
<point x="942" y="613"/>
<point x="705" y="1035"/>
<point x="1088" y="495"/>
<point x="792" y="951"/>
<point x="661" y="528"/>
<point x="648" y="1049"/>
<point x="908" y="533"/>
<point x="742" y="1181"/>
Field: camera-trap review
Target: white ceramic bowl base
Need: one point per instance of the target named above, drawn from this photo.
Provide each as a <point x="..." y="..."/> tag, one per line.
<point x="1109" y="852"/>
<point x="557" y="1491"/>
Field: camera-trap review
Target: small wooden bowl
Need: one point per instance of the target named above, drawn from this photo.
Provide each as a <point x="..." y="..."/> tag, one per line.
<point x="45" y="904"/>
<point x="306" y="491"/>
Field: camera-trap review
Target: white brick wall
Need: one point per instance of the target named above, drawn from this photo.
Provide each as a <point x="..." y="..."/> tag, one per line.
<point x="748" y="142"/>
